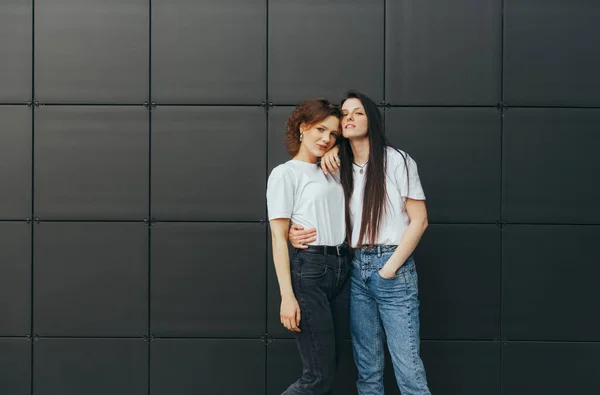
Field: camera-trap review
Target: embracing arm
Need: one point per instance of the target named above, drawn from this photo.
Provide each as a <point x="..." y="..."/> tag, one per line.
<point x="417" y="213"/>
<point x="290" y="310"/>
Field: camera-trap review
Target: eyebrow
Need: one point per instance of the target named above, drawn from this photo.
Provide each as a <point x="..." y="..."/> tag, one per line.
<point x="323" y="126"/>
<point x="357" y="108"/>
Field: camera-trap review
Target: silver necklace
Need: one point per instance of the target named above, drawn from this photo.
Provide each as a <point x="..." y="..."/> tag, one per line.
<point x="361" y="167"/>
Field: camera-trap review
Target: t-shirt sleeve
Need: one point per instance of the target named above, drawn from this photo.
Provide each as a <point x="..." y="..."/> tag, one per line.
<point x="409" y="184"/>
<point x="280" y="194"/>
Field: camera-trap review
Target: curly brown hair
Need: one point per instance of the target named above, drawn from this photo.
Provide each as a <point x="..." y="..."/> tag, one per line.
<point x="307" y="112"/>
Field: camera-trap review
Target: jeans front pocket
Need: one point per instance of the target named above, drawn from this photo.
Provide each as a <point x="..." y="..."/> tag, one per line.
<point x="313" y="267"/>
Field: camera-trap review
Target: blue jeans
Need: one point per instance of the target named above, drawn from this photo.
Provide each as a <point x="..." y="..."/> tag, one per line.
<point x="385" y="309"/>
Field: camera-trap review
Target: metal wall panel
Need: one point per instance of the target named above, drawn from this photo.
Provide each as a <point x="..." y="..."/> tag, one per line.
<point x="209" y="51"/>
<point x="444" y="53"/>
<point x="550" y="282"/>
<point x="15" y="366"/>
<point x="208" y="279"/>
<point x="90" y="51"/>
<point x="208" y="163"/>
<point x="207" y="366"/>
<point x="90" y="366"/>
<point x="91" y="163"/>
<point x="16" y="17"/>
<point x="322" y="49"/>
<point x="462" y="367"/>
<point x="15" y="278"/>
<point x="551" y="166"/>
<point x="551" y="55"/>
<point x="90" y="279"/>
<point x="15" y="172"/>
<point x="551" y="368"/>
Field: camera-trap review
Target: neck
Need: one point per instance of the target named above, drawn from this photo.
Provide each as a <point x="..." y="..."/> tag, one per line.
<point x="360" y="150"/>
<point x="305" y="156"/>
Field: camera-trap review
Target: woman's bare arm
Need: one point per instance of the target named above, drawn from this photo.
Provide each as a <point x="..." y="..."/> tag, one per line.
<point x="290" y="310"/>
<point x="417" y="212"/>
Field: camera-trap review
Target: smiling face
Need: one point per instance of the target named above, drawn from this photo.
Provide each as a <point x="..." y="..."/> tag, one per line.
<point x="318" y="138"/>
<point x="355" y="123"/>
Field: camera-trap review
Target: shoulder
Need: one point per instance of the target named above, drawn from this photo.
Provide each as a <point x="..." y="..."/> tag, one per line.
<point x="397" y="157"/>
<point x="284" y="170"/>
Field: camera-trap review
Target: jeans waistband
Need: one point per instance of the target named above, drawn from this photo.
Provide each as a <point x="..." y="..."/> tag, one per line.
<point x="339" y="250"/>
<point x="376" y="249"/>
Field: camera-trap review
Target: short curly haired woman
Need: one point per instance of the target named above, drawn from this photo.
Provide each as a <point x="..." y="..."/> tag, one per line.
<point x="314" y="286"/>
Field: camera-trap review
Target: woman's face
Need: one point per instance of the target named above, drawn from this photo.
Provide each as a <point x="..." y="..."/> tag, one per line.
<point x="320" y="137"/>
<point x="355" y="123"/>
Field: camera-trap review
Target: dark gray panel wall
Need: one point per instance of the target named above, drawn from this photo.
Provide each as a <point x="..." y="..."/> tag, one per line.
<point x="190" y="182"/>
<point x="90" y="279"/>
<point x="136" y="139"/>
<point x="539" y="261"/>
<point x="443" y="52"/>
<point x="318" y="49"/>
<point x="91" y="163"/>
<point x="15" y="278"/>
<point x="15" y="47"/>
<point x="15" y="366"/>
<point x="551" y="165"/>
<point x="202" y="286"/>
<point x="551" y="368"/>
<point x="90" y="366"/>
<point x="209" y="51"/>
<point x="551" y="52"/>
<point x="207" y="366"/>
<point x="15" y="172"/>
<point x="91" y="52"/>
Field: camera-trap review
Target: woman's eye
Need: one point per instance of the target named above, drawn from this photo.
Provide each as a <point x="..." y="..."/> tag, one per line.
<point x="321" y="130"/>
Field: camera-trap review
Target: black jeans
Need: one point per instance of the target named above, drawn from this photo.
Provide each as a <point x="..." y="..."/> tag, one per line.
<point x="321" y="285"/>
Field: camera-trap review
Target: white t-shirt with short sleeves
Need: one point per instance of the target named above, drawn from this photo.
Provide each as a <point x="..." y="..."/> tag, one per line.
<point x="300" y="191"/>
<point x="398" y="188"/>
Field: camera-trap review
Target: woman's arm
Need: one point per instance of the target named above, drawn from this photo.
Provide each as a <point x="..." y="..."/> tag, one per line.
<point x="330" y="162"/>
<point x="290" y="310"/>
<point x="417" y="213"/>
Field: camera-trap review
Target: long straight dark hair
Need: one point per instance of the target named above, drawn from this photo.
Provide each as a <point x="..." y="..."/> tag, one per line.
<point x="375" y="195"/>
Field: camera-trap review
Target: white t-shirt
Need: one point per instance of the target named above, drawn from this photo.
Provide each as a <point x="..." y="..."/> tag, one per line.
<point x="398" y="187"/>
<point x="300" y="191"/>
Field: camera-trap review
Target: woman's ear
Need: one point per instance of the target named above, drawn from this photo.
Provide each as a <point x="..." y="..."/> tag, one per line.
<point x="303" y="127"/>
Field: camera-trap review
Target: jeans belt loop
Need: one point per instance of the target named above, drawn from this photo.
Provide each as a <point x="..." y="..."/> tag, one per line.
<point x="324" y="250"/>
<point x="337" y="249"/>
<point x="378" y="251"/>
